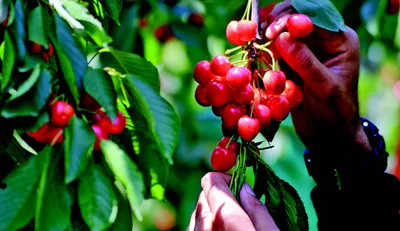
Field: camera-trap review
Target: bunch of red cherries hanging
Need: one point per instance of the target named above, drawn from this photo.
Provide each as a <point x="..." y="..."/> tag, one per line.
<point x="246" y="88"/>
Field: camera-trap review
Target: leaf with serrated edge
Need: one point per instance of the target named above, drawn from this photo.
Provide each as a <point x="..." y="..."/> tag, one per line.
<point x="97" y="201"/>
<point x="126" y="171"/>
<point x="322" y="13"/>
<point x="79" y="140"/>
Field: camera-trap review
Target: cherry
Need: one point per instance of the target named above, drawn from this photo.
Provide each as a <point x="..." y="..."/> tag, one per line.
<point x="202" y="73"/>
<point x="231" y="114"/>
<point x="118" y="125"/>
<point x="393" y="7"/>
<point x="260" y="96"/>
<point x="263" y="114"/>
<point x="143" y="22"/>
<point x="274" y="81"/>
<point x="233" y="145"/>
<point x="238" y="77"/>
<point x="40" y="134"/>
<point x="89" y="103"/>
<point x="248" y="127"/>
<point x="5" y="21"/>
<point x="46" y="54"/>
<point x="34" y="48"/>
<point x="216" y="110"/>
<point x="61" y="113"/>
<point x="293" y="93"/>
<point x="196" y="19"/>
<point x="222" y="159"/>
<point x="232" y="34"/>
<point x="244" y="95"/>
<point x="218" y="93"/>
<point x="247" y="30"/>
<point x="279" y="107"/>
<point x="220" y="65"/>
<point x="54" y="133"/>
<point x="50" y="50"/>
<point x="226" y="131"/>
<point x="101" y="134"/>
<point x="163" y="33"/>
<point x="299" y="25"/>
<point x="201" y="96"/>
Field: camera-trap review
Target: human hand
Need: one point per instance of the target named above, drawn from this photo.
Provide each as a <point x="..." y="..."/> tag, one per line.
<point x="326" y="65"/>
<point x="218" y="210"/>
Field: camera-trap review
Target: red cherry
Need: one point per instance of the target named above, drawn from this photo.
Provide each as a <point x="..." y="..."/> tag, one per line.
<point x="143" y="23"/>
<point x="248" y="128"/>
<point x="274" y="81"/>
<point x="216" y="110"/>
<point x="5" y="21"/>
<point x="232" y="34"/>
<point x="220" y="65"/>
<point x="279" y="107"/>
<point x="163" y="33"/>
<point x="293" y="93"/>
<point x="89" y="103"/>
<point x="61" y="113"/>
<point x="54" y="134"/>
<point x="118" y="125"/>
<point x="260" y="96"/>
<point x="244" y="95"/>
<point x="238" y="77"/>
<point x="201" y="96"/>
<point x="196" y="19"/>
<point x="222" y="159"/>
<point x="34" y="48"/>
<point x="247" y="30"/>
<point x="45" y="56"/>
<point x="202" y="73"/>
<point x="226" y="131"/>
<point x="101" y="134"/>
<point x="50" y="51"/>
<point x="233" y="145"/>
<point x="299" y="25"/>
<point x="218" y="93"/>
<point x="393" y="7"/>
<point x="231" y="114"/>
<point x="40" y="134"/>
<point x="263" y="114"/>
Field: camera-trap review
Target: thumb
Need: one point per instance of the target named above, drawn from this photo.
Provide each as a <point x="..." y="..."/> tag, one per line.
<point x="302" y="60"/>
<point x="256" y="210"/>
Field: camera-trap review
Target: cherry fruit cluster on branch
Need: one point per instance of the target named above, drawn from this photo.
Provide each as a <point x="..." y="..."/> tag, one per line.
<point x="247" y="93"/>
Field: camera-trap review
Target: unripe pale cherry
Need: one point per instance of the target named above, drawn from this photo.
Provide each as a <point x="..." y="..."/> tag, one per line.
<point x="220" y="65"/>
<point x="238" y="77"/>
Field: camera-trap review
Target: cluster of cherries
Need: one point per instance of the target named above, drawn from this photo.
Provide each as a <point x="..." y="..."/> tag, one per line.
<point x="61" y="113"/>
<point x="36" y="49"/>
<point x="245" y="96"/>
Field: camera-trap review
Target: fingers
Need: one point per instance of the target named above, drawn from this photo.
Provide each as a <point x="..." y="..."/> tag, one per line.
<point x="228" y="214"/>
<point x="203" y="216"/>
<point x="278" y="25"/>
<point x="256" y="210"/>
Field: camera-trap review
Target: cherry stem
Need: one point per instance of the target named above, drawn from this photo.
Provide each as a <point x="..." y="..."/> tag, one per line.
<point x="230" y="140"/>
<point x="239" y="62"/>
<point x="269" y="147"/>
<point x="246" y="12"/>
<point x="56" y="138"/>
<point x="228" y="52"/>
<point x="239" y="53"/>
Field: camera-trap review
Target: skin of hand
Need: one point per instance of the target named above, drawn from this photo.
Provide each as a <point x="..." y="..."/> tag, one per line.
<point x="326" y="65"/>
<point x="218" y="210"/>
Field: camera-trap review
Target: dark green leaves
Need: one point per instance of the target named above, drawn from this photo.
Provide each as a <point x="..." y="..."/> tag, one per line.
<point x="8" y="59"/>
<point x="125" y="170"/>
<point x="79" y="140"/>
<point x="113" y="9"/>
<point x="17" y="200"/>
<point x="36" y="29"/>
<point x="322" y="12"/>
<point x="140" y="68"/>
<point x="27" y="84"/>
<point x="33" y="101"/>
<point x="100" y="86"/>
<point x="97" y="200"/>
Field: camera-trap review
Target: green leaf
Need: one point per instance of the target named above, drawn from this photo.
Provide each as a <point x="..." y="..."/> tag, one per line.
<point x="53" y="207"/>
<point x="302" y="218"/>
<point x="126" y="171"/>
<point x="100" y="86"/>
<point x="322" y="13"/>
<point x="124" y="216"/>
<point x="135" y="65"/>
<point x="92" y="25"/>
<point x="69" y="47"/>
<point x="18" y="199"/>
<point x="18" y="33"/>
<point x="97" y="201"/>
<point x="113" y="9"/>
<point x="36" y="26"/>
<point x="125" y="36"/>
<point x="27" y="84"/>
<point x="8" y="61"/>
<point x="33" y="101"/>
<point x="79" y="140"/>
<point x="162" y="119"/>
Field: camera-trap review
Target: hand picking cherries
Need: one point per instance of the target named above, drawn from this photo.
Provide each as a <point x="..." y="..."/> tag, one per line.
<point x="246" y="88"/>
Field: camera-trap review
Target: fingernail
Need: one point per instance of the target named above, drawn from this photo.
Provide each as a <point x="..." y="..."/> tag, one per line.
<point x="249" y="190"/>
